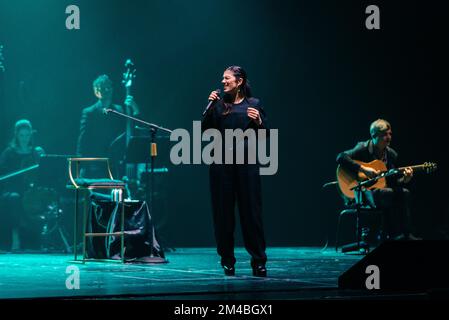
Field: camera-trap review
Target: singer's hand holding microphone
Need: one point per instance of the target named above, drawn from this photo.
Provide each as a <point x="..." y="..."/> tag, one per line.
<point x="214" y="96"/>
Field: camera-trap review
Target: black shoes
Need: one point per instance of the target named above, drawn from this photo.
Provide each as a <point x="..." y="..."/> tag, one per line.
<point x="229" y="270"/>
<point x="259" y="271"/>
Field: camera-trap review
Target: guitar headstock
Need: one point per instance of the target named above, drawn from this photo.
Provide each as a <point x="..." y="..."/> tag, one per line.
<point x="130" y="74"/>
<point x="429" y="167"/>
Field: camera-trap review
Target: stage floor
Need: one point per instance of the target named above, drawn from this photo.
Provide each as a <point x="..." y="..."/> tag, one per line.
<point x="191" y="273"/>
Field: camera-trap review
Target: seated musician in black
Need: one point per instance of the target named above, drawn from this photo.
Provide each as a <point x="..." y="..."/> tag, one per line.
<point x="394" y="200"/>
<point x="20" y="154"/>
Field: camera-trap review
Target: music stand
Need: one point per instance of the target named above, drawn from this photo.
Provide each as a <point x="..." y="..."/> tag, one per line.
<point x="51" y="175"/>
<point x="153" y="129"/>
<point x="52" y="171"/>
<point x="139" y="151"/>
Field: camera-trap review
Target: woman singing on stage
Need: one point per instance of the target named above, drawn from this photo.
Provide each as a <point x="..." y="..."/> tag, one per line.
<point x="237" y="183"/>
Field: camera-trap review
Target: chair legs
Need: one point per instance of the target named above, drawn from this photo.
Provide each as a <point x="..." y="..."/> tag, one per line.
<point x="342" y="213"/>
<point x="361" y="232"/>
<point x="338" y="231"/>
<point x="121" y="207"/>
<point x="85" y="215"/>
<point x="75" y="226"/>
<point x="122" y="229"/>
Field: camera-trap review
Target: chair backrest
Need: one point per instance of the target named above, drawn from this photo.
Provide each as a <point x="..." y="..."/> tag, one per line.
<point x="77" y="163"/>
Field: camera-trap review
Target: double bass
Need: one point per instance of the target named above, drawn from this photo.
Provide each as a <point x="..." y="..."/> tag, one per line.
<point x="128" y="77"/>
<point x="130" y="169"/>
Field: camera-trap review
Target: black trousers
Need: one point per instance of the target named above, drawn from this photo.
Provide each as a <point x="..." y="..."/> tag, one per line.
<point x="12" y="209"/>
<point x="232" y="184"/>
<point x="395" y="204"/>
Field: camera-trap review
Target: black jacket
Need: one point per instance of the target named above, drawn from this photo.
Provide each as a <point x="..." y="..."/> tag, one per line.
<point x="98" y="131"/>
<point x="236" y="119"/>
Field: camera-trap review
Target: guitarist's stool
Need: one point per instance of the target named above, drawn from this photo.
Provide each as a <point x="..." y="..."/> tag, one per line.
<point x="117" y="187"/>
<point x="361" y="244"/>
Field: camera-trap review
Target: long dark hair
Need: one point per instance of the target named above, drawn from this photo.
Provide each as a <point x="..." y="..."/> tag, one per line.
<point x="244" y="89"/>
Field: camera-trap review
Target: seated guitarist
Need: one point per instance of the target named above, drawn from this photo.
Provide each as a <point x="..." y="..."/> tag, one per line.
<point x="394" y="200"/>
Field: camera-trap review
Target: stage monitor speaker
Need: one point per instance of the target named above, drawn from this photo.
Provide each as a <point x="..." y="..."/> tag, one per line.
<point x="401" y="266"/>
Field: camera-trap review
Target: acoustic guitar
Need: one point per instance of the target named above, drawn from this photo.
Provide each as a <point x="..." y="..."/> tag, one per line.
<point x="348" y="180"/>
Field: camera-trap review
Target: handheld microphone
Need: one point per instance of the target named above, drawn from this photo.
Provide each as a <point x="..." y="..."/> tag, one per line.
<point x="211" y="102"/>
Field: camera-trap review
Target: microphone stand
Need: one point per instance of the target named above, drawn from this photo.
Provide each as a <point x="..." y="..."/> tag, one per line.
<point x="371" y="181"/>
<point x="153" y="129"/>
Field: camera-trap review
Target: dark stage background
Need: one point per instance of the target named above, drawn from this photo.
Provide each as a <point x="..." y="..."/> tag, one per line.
<point x="322" y="75"/>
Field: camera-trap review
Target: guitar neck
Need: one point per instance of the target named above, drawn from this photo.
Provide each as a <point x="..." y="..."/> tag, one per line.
<point x="415" y="167"/>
